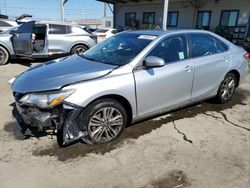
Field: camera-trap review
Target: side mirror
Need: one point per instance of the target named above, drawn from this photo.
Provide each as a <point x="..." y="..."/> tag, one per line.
<point x="152" y="61"/>
<point x="13" y="32"/>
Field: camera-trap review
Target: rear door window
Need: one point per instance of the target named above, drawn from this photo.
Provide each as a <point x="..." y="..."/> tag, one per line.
<point x="221" y="46"/>
<point x="202" y="45"/>
<point x="171" y="49"/>
<point x="57" y="29"/>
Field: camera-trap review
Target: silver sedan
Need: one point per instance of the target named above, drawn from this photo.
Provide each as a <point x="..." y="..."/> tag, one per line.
<point x="126" y="78"/>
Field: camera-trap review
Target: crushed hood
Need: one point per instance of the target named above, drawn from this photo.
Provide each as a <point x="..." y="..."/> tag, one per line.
<point x="55" y="74"/>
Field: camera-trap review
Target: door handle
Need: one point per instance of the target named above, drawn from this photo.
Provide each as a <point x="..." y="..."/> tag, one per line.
<point x="188" y="68"/>
<point x="224" y="59"/>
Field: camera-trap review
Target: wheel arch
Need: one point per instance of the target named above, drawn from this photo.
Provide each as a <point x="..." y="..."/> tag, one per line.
<point x="237" y="74"/>
<point x="5" y="49"/>
<point x="79" y="43"/>
<point x="124" y="102"/>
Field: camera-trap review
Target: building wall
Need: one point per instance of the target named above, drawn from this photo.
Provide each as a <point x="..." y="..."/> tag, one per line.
<point x="242" y="5"/>
<point x="187" y="14"/>
<point x="139" y="8"/>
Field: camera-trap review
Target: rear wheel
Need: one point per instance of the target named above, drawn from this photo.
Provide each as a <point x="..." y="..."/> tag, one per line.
<point x="79" y="49"/>
<point x="4" y="56"/>
<point x="105" y="120"/>
<point x="227" y="88"/>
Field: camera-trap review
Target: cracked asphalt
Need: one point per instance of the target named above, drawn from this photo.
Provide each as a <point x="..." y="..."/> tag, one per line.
<point x="202" y="145"/>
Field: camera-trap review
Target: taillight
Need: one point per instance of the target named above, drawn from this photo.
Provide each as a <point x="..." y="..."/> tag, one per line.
<point x="246" y="56"/>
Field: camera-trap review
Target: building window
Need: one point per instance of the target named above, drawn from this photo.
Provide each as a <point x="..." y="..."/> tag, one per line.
<point x="148" y="17"/>
<point x="203" y="19"/>
<point x="229" y="18"/>
<point x="172" y="18"/>
<point x="130" y="17"/>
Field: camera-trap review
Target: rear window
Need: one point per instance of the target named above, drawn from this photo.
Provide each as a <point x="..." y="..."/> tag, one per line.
<point x="114" y="31"/>
<point x="77" y="30"/>
<point x="101" y="31"/>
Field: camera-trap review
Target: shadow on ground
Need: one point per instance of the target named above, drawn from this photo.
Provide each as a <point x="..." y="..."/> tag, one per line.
<point x="137" y="130"/>
<point x="27" y="62"/>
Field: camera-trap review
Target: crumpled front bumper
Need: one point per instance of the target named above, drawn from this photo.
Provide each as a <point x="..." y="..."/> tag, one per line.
<point x="35" y="117"/>
<point x="63" y="119"/>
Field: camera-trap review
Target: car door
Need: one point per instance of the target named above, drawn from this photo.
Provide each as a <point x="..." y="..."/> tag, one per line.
<point x="22" y="40"/>
<point x="58" y="39"/>
<point x="164" y="88"/>
<point x="211" y="62"/>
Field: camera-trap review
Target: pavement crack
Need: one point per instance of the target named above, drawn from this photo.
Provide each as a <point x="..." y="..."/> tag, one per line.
<point x="184" y="136"/>
<point x="232" y="123"/>
<point x="213" y="116"/>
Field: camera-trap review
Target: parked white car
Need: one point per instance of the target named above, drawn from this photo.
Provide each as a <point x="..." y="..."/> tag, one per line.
<point x="6" y="24"/>
<point x="104" y="33"/>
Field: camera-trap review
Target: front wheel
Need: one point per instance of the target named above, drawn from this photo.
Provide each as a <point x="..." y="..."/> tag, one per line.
<point x="4" y="56"/>
<point x="105" y="120"/>
<point x="227" y="88"/>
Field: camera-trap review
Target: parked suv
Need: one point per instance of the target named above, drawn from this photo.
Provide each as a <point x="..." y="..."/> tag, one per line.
<point x="44" y="39"/>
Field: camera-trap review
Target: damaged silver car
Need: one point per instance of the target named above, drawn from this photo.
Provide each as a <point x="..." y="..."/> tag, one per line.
<point x="126" y="78"/>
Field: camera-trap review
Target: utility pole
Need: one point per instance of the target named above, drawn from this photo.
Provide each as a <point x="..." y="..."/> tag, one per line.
<point x="63" y="2"/>
<point x="105" y="10"/>
<point x="165" y="15"/>
<point x="62" y="10"/>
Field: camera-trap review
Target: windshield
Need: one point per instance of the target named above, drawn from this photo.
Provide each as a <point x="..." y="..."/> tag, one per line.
<point x="119" y="49"/>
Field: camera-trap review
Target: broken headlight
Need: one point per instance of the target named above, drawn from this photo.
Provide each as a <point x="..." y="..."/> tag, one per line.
<point x="46" y="99"/>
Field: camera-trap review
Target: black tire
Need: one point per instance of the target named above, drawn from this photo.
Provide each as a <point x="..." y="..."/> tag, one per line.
<point x="4" y="56"/>
<point x="96" y="108"/>
<point x="78" y="49"/>
<point x="221" y="97"/>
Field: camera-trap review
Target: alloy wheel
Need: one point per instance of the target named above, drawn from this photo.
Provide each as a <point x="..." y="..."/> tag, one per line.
<point x="227" y="88"/>
<point x="2" y="56"/>
<point x="105" y="125"/>
<point x="80" y="51"/>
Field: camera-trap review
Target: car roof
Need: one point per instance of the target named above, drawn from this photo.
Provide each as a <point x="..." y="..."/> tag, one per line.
<point x="58" y="23"/>
<point x="162" y="32"/>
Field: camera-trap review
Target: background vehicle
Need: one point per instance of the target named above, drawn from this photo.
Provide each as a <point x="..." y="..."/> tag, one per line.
<point x="44" y="39"/>
<point x="6" y="24"/>
<point x="105" y="33"/>
<point x="88" y="28"/>
<point x="126" y="78"/>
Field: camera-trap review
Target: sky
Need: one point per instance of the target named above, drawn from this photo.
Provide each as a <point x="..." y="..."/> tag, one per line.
<point x="50" y="9"/>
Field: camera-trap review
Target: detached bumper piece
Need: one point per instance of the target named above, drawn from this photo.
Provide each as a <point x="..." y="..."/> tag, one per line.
<point x="62" y="119"/>
<point x="73" y="129"/>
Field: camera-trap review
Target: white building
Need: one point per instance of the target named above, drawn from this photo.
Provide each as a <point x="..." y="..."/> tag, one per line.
<point x="226" y="17"/>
